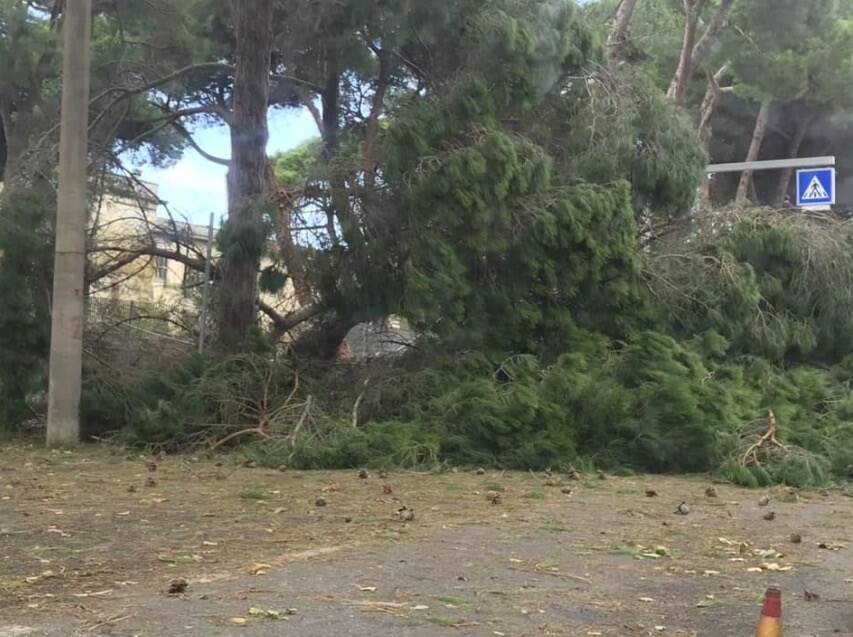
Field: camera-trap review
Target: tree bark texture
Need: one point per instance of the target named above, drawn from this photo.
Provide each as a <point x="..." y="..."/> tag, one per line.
<point x="712" y="34"/>
<point x="710" y="103"/>
<point x="246" y="175"/>
<point x="786" y="174"/>
<point x="754" y="150"/>
<point x="684" y="71"/>
<point x="619" y="31"/>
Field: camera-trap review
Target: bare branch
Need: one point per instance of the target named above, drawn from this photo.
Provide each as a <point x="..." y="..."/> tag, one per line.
<point x="283" y="323"/>
<point x="192" y="142"/>
<point x="131" y="255"/>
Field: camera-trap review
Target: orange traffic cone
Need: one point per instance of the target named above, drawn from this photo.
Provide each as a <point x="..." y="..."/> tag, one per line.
<point x="770" y="624"/>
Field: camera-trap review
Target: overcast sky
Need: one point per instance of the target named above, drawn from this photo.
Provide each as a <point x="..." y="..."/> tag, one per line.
<point x="194" y="187"/>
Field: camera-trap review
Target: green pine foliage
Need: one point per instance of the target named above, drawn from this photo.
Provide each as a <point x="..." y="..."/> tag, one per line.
<point x="775" y="284"/>
<point x="26" y="267"/>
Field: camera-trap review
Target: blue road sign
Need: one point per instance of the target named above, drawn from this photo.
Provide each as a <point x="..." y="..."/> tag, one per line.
<point x="816" y="187"/>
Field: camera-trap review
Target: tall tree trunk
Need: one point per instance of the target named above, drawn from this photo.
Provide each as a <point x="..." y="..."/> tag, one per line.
<point x="340" y="203"/>
<point x="14" y="141"/>
<point x="794" y="144"/>
<point x="694" y="51"/>
<point x="754" y="150"/>
<point x="713" y="95"/>
<point x="246" y="175"/>
<point x="619" y="31"/>
<point x="712" y="34"/>
<point x="678" y="86"/>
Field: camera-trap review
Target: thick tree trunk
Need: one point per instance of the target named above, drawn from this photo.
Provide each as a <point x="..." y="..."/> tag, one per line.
<point x="619" y="31"/>
<point x="246" y="176"/>
<point x="786" y="174"/>
<point x="322" y="340"/>
<point x="754" y="150"/>
<point x="678" y="86"/>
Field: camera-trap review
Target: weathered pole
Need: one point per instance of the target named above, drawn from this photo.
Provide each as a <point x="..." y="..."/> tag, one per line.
<point x="66" y="336"/>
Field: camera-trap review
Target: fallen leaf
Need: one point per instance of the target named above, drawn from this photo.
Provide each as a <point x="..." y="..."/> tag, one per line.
<point x="94" y="594"/>
<point x="256" y="611"/>
<point x="647" y="600"/>
<point x="259" y="569"/>
<point x="240" y="621"/>
<point x="774" y="567"/>
<point x="367" y="589"/>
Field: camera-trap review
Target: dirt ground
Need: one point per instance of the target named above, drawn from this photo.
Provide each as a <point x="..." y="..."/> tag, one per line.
<point x="91" y="540"/>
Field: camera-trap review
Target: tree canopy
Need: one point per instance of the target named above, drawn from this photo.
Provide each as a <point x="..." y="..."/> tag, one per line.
<point x="522" y="182"/>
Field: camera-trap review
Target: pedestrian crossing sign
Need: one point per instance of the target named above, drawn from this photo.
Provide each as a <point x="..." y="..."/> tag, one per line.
<point x="816" y="187"/>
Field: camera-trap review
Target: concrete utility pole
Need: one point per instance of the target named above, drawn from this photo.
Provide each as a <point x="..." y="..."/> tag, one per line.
<point x="66" y="336"/>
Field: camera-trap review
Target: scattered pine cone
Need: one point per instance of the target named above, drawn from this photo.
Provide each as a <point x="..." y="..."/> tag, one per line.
<point x="405" y="514"/>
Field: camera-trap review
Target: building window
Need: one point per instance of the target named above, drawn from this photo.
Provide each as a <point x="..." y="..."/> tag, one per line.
<point x="193" y="281"/>
<point x="161" y="268"/>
